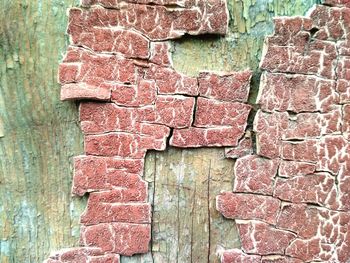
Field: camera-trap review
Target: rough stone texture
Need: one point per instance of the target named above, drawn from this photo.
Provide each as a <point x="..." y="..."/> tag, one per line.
<point x="291" y="194"/>
<point x="302" y="145"/>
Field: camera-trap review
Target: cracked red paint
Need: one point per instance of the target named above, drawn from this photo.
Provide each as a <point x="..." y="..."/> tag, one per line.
<point x="290" y="199"/>
<point x="302" y="127"/>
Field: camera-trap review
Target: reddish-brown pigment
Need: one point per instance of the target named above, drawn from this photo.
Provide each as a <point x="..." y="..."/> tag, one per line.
<point x="291" y="196"/>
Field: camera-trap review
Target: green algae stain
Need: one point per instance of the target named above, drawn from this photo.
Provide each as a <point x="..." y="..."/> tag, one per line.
<point x="250" y="22"/>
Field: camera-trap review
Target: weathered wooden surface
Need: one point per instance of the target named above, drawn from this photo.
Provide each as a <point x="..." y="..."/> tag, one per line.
<point x="186" y="225"/>
<point x="250" y="22"/>
<point x="39" y="135"/>
<point x="183" y="186"/>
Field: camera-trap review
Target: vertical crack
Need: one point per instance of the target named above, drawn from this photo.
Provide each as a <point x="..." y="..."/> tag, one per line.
<point x="208" y="204"/>
<point x="152" y="204"/>
<point x="194" y="109"/>
<point x="192" y="218"/>
<point x="178" y="215"/>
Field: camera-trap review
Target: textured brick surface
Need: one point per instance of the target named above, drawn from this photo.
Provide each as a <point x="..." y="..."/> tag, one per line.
<point x="291" y="190"/>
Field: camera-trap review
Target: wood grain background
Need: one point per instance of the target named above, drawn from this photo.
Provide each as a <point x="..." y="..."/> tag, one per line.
<point x="39" y="135"/>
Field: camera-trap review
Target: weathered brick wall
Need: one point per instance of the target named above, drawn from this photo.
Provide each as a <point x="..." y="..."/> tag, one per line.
<point x="290" y="198"/>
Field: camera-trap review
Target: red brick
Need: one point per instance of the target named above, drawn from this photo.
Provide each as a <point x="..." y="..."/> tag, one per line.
<point x="100" y="118"/>
<point x="248" y="206"/>
<point x="115" y="3"/>
<point x="301" y="128"/>
<point x="343" y="82"/>
<point x="156" y="131"/>
<point x="100" y="236"/>
<point x="344" y="191"/>
<point x="116" y="144"/>
<point x="290" y="30"/>
<point x="78" y="254"/>
<point x="109" y="258"/>
<point x="89" y="175"/>
<point x="332" y="22"/>
<point x="73" y="54"/>
<point x="343" y="88"/>
<point x="233" y="86"/>
<point x="128" y="165"/>
<point x="254" y="174"/>
<point x="343" y="252"/>
<point x="260" y="238"/>
<point x="313" y="125"/>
